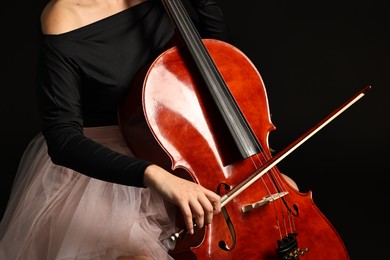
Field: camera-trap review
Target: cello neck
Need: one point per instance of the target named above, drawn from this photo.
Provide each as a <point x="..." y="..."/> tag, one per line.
<point x="243" y="136"/>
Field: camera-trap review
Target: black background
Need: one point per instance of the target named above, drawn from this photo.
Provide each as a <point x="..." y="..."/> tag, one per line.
<point x="313" y="56"/>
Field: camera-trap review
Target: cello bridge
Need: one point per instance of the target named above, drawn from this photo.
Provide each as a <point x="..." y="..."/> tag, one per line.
<point x="263" y="201"/>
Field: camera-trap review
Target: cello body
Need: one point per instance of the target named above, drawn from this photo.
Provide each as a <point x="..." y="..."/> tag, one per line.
<point x="170" y="119"/>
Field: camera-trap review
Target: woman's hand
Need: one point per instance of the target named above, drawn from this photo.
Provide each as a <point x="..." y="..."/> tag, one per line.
<point x="193" y="200"/>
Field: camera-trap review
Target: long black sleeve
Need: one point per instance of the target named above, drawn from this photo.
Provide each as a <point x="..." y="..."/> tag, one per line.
<point x="211" y="20"/>
<point x="84" y="75"/>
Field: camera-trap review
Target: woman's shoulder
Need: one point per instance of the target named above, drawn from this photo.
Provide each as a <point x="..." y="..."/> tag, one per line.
<point x="59" y="16"/>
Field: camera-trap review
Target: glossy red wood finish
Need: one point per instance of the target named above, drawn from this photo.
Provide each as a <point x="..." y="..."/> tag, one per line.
<point x="185" y="134"/>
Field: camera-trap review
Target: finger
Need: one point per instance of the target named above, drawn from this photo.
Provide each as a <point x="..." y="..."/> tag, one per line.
<point x="208" y="209"/>
<point x="216" y="206"/>
<point x="187" y="215"/>
<point x="197" y="211"/>
<point x="215" y="201"/>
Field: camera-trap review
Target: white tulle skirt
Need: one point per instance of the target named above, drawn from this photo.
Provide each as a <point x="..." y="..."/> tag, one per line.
<point x="57" y="213"/>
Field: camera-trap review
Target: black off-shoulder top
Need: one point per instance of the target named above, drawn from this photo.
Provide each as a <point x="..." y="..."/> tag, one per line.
<point x="84" y="74"/>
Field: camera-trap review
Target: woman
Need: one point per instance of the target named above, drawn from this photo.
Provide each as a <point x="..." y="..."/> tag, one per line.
<point x="79" y="193"/>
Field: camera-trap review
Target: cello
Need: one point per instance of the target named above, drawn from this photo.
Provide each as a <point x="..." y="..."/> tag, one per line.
<point x="201" y="111"/>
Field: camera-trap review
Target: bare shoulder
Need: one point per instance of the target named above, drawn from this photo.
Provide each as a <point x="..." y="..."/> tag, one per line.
<point x="58" y="17"/>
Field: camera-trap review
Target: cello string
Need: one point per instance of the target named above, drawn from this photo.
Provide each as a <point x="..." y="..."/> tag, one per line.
<point x="270" y="193"/>
<point x="274" y="178"/>
<point x="217" y="87"/>
<point x="193" y="40"/>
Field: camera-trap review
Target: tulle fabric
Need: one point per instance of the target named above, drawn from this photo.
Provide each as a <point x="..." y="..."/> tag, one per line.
<point x="57" y="213"/>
